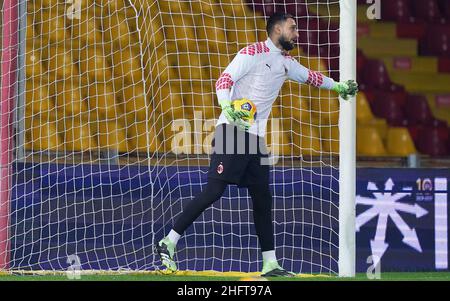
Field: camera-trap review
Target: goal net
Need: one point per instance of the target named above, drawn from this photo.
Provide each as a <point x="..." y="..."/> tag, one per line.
<point x="112" y="109"/>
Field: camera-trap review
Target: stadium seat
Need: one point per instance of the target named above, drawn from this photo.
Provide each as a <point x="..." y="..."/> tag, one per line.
<point x="52" y="27"/>
<point x="437" y="41"/>
<point x="31" y="32"/>
<point x="427" y="11"/>
<point x="386" y="106"/>
<point x="60" y="63"/>
<point x="143" y="137"/>
<point x="326" y="108"/>
<point x="399" y="142"/>
<point x="305" y="140"/>
<point x="240" y="31"/>
<point x="127" y="64"/>
<point x="102" y="101"/>
<point x="363" y="110"/>
<point x="330" y="139"/>
<point x="110" y="135"/>
<point x="168" y="101"/>
<point x="77" y="135"/>
<point x="189" y="66"/>
<point x="135" y="102"/>
<point x="33" y="63"/>
<point x="117" y="29"/>
<point x="397" y="10"/>
<point x="93" y="64"/>
<point x="43" y="135"/>
<point x="200" y="97"/>
<point x="369" y="142"/>
<point x="375" y="75"/>
<point x="111" y="6"/>
<point x="37" y="98"/>
<point x="418" y="110"/>
<point x="278" y="133"/>
<point x="85" y="31"/>
<point x="430" y="142"/>
<point x="70" y="99"/>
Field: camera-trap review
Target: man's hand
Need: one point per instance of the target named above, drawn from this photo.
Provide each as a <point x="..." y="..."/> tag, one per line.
<point x="234" y="117"/>
<point x="346" y="89"/>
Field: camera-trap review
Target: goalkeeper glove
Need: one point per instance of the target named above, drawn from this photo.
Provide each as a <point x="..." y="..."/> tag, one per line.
<point x="234" y="117"/>
<point x="346" y="89"/>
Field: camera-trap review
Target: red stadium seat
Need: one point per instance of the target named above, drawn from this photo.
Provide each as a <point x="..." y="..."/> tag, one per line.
<point x="397" y="10"/>
<point x="437" y="41"/>
<point x="430" y="142"/>
<point x="386" y="105"/>
<point x="427" y="11"/>
<point x="375" y="75"/>
<point x="418" y="110"/>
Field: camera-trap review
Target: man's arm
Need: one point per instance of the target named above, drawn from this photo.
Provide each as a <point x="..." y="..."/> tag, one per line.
<point x="239" y="66"/>
<point x="301" y="74"/>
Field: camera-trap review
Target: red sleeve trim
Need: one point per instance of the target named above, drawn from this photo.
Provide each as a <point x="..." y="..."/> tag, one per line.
<point x="315" y="78"/>
<point x="224" y="82"/>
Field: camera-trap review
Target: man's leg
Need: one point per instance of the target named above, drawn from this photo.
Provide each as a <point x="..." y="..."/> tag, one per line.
<point x="262" y="217"/>
<point x="210" y="193"/>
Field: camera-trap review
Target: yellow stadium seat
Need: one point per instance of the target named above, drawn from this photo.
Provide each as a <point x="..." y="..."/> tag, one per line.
<point x="277" y="139"/>
<point x="110" y="6"/>
<point x="200" y="98"/>
<point x="241" y="31"/>
<point x="111" y="135"/>
<point x="117" y="29"/>
<point x="127" y="64"/>
<point x="326" y="109"/>
<point x="31" y="32"/>
<point x="189" y="66"/>
<point x="135" y="102"/>
<point x="380" y="125"/>
<point x="37" y="98"/>
<point x="77" y="135"/>
<point x="60" y="63"/>
<point x="143" y="136"/>
<point x="53" y="27"/>
<point x="313" y="63"/>
<point x="86" y="31"/>
<point x="305" y="139"/>
<point x="296" y="108"/>
<point x="330" y="139"/>
<point x="363" y="111"/>
<point x="69" y="99"/>
<point x="399" y="142"/>
<point x="102" y="101"/>
<point x="44" y="135"/>
<point x="93" y="64"/>
<point x="168" y="100"/>
<point x="170" y="6"/>
<point x="369" y="142"/>
<point x="33" y="63"/>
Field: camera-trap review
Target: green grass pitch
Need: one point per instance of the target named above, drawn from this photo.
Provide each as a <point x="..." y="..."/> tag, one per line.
<point x="424" y="276"/>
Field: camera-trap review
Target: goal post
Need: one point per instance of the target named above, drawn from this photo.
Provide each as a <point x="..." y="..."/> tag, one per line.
<point x="113" y="116"/>
<point x="347" y="138"/>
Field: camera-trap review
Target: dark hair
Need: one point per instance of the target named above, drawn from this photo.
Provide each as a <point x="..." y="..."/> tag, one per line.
<point x="276" y="18"/>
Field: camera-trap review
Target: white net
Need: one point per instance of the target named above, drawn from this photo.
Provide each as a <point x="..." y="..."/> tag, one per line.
<point x="112" y="128"/>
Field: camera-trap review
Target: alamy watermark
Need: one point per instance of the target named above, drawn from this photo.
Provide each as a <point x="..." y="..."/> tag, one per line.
<point x="196" y="137"/>
<point x="74" y="269"/>
<point x="374" y="270"/>
<point x="374" y="9"/>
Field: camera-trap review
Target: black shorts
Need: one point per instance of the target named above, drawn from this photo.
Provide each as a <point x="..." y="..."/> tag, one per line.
<point x="238" y="157"/>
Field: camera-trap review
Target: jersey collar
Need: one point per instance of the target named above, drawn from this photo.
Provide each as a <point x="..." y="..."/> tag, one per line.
<point x="272" y="46"/>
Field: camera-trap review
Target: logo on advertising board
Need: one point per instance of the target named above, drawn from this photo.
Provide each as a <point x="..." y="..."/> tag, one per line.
<point x="401" y="210"/>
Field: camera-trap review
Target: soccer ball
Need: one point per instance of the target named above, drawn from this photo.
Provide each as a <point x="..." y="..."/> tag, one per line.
<point x="245" y="105"/>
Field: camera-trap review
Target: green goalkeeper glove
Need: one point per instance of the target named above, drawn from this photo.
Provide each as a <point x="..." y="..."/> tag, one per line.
<point x="346" y="89"/>
<point x="234" y="117"/>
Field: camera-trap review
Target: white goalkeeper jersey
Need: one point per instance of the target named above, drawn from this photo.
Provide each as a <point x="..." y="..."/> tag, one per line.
<point x="257" y="73"/>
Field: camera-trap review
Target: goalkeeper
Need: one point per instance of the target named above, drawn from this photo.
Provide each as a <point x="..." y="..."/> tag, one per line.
<point x="256" y="73"/>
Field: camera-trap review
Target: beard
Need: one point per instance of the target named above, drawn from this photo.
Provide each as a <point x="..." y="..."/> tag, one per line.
<point x="287" y="45"/>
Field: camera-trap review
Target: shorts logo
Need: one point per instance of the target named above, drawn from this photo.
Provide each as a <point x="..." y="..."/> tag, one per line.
<point x="220" y="168"/>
